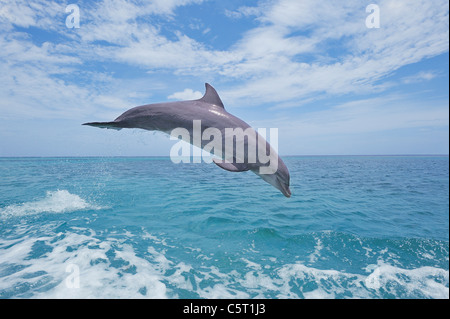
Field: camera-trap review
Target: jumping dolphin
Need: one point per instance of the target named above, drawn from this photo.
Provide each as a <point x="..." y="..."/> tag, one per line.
<point x="208" y="115"/>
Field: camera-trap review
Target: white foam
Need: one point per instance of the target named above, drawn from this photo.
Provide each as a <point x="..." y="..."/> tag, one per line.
<point x="132" y="277"/>
<point x="430" y="282"/>
<point x="300" y="281"/>
<point x="112" y="268"/>
<point x="60" y="201"/>
<point x="316" y="254"/>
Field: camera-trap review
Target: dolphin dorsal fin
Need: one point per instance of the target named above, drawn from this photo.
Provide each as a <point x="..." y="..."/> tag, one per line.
<point x="211" y="96"/>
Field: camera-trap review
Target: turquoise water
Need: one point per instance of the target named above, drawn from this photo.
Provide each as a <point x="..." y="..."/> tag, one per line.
<point x="355" y="227"/>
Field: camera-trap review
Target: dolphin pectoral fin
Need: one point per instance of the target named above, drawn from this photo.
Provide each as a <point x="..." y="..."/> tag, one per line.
<point x="232" y="167"/>
<point x="108" y="125"/>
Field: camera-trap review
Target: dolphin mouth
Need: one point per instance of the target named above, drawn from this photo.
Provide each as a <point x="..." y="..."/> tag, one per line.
<point x="286" y="192"/>
<point x="284" y="189"/>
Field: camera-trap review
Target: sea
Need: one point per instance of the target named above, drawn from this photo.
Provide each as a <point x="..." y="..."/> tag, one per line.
<point x="370" y="227"/>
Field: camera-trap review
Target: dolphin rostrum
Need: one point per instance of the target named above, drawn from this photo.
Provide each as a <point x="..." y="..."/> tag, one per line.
<point x="196" y="121"/>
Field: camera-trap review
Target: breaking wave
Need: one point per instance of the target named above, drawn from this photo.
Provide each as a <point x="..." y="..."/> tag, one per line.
<point x="60" y="201"/>
<point x="79" y="263"/>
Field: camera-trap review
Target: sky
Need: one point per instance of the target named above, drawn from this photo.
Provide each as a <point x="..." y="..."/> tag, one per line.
<point x="323" y="72"/>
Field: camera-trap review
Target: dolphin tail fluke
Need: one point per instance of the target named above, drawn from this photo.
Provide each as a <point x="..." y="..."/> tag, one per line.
<point x="109" y="125"/>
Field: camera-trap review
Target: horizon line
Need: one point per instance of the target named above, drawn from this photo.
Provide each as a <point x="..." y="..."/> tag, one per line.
<point x="167" y="156"/>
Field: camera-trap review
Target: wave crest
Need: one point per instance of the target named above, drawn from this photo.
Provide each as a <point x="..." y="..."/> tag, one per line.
<point x="60" y="201"/>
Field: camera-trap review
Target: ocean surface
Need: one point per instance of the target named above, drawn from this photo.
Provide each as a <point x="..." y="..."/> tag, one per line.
<point x="355" y="227"/>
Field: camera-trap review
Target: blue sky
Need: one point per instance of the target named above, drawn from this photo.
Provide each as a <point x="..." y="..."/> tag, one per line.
<point x="312" y="69"/>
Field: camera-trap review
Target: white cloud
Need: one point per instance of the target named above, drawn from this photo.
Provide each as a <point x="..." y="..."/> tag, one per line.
<point x="372" y="115"/>
<point x="243" y="11"/>
<point x="367" y="126"/>
<point x="284" y="60"/>
<point x="420" y="77"/>
<point x="121" y="10"/>
<point x="187" y="94"/>
<point x="295" y="14"/>
<point x="38" y="13"/>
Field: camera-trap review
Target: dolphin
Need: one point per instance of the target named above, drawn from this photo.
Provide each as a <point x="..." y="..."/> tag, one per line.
<point x="209" y="117"/>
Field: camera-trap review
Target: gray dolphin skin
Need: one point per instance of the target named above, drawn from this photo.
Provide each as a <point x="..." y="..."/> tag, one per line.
<point x="210" y="117"/>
